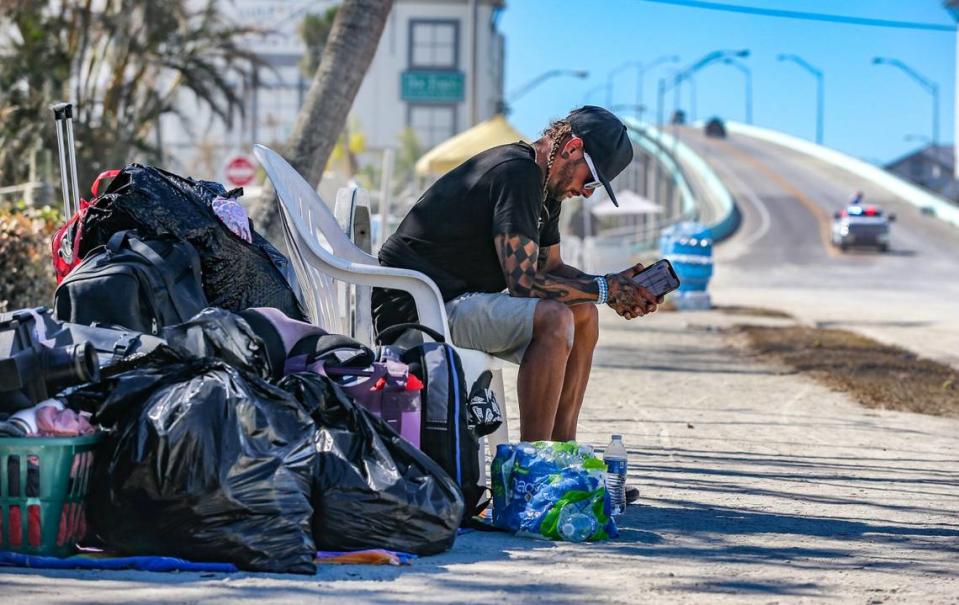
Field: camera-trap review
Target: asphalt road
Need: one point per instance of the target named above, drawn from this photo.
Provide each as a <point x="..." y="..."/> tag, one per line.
<point x="781" y="256"/>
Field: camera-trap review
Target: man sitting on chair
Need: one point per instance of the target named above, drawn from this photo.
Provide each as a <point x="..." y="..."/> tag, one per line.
<point x="488" y="234"/>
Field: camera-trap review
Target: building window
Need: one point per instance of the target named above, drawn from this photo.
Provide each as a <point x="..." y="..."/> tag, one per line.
<point x="432" y="124"/>
<point x="434" y="44"/>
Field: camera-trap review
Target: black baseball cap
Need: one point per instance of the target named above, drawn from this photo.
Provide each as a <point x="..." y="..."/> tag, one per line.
<point x="605" y="140"/>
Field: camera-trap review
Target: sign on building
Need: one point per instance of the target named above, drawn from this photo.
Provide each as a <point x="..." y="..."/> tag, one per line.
<point x="421" y="86"/>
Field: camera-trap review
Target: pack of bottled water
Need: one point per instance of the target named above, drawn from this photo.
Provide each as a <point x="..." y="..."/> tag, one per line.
<point x="551" y="490"/>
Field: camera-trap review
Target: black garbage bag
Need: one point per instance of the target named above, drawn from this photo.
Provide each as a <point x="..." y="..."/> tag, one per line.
<point x="372" y="488"/>
<point x="205" y="462"/>
<point x="236" y="275"/>
<point x="222" y="335"/>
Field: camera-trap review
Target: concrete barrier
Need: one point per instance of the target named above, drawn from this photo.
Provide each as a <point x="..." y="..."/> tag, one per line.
<point x="656" y="150"/>
<point x="718" y="195"/>
<point x="930" y="202"/>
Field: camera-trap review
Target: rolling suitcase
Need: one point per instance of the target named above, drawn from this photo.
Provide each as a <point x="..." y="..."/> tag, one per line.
<point x="66" y="241"/>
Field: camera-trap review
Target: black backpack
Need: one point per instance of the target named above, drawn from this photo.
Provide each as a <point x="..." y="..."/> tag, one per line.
<point x="445" y="434"/>
<point x="142" y="285"/>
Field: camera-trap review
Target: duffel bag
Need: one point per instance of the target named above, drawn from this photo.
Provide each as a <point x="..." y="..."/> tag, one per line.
<point x="142" y="285"/>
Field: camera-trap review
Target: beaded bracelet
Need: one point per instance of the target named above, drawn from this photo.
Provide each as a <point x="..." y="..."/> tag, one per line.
<point x="603" y="289"/>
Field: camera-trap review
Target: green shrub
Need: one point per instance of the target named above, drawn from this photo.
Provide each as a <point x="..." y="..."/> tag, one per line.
<point x="26" y="271"/>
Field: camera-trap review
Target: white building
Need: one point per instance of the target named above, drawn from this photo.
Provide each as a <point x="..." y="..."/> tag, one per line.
<point x="438" y="69"/>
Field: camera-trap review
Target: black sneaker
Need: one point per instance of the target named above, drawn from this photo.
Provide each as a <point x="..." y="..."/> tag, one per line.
<point x="632" y="494"/>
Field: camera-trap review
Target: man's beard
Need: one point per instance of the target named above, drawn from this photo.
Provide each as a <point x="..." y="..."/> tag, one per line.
<point x="564" y="178"/>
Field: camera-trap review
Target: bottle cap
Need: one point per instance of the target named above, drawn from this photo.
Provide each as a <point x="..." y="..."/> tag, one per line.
<point x="617" y="437"/>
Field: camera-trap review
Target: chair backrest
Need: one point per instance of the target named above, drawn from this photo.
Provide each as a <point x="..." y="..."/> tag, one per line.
<point x="308" y="223"/>
<point x="321" y="253"/>
<point x="352" y="212"/>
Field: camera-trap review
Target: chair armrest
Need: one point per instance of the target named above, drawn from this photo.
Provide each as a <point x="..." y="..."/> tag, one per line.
<point x="426" y="296"/>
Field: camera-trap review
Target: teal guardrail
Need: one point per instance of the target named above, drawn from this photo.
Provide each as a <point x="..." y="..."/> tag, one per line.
<point x="674" y="155"/>
<point x="665" y="159"/>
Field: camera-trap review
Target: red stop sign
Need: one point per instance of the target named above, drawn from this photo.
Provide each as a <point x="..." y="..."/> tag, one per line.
<point x="240" y="171"/>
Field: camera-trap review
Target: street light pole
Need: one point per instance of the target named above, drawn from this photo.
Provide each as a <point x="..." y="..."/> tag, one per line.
<point x="660" y="93"/>
<point x="642" y="72"/>
<point x="641" y="69"/>
<point x="609" y="79"/>
<point x="687" y="73"/>
<point x="927" y="84"/>
<point x="749" y="86"/>
<point x="819" y="90"/>
<point x="553" y="73"/>
<point x="692" y="98"/>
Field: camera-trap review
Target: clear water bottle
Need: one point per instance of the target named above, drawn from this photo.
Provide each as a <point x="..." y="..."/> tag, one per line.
<point x="615" y="458"/>
<point x="575" y="525"/>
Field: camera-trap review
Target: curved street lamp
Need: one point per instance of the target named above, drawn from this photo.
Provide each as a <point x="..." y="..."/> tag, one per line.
<point x="819" y="89"/>
<point x="685" y="74"/>
<point x="641" y="69"/>
<point x="553" y="73"/>
<point x="927" y="84"/>
<point x="749" y="85"/>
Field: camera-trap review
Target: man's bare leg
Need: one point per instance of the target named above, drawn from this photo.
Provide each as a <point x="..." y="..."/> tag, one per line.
<point x="578" y="366"/>
<point x="541" y="374"/>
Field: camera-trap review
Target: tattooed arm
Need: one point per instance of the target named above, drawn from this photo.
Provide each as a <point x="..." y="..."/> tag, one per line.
<point x="519" y="257"/>
<point x="550" y="278"/>
<point x="550" y="262"/>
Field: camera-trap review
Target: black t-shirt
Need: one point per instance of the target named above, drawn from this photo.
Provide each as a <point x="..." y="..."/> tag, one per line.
<point x="448" y="234"/>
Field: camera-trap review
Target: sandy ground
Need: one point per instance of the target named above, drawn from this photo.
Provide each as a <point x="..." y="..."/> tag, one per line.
<point x="758" y="486"/>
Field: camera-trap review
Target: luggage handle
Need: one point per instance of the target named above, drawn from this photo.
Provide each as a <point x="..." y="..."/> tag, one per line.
<point x="392" y="330"/>
<point x="106" y="174"/>
<point x="330" y="343"/>
<point x="63" y="116"/>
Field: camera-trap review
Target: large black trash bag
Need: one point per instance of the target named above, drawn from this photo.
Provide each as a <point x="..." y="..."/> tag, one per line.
<point x="372" y="488"/>
<point x="223" y="335"/>
<point x="205" y="462"/>
<point x="236" y="275"/>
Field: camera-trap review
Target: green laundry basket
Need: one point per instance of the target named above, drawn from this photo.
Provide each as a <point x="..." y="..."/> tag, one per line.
<point x="43" y="488"/>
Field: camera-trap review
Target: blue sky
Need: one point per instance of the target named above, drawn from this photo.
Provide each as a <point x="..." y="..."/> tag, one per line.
<point x="869" y="109"/>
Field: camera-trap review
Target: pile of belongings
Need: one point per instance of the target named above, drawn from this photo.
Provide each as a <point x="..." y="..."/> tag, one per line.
<point x="232" y="432"/>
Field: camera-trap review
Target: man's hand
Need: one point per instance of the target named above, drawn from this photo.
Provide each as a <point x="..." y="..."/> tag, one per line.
<point x="628" y="299"/>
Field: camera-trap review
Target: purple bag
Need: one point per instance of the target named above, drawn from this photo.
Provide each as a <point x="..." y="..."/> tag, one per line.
<point x="387" y="389"/>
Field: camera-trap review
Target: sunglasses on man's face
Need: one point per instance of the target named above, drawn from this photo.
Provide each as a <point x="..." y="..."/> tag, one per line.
<point x="595" y="183"/>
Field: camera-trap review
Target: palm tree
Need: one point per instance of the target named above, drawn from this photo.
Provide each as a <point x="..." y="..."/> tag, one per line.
<point x="347" y="54"/>
<point x="123" y="62"/>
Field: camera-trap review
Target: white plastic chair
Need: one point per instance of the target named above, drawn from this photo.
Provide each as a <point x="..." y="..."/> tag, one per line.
<point x="322" y="253"/>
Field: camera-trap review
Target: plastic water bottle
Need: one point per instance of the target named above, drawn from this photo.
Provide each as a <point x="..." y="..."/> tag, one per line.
<point x="574" y="525"/>
<point x="615" y="458"/>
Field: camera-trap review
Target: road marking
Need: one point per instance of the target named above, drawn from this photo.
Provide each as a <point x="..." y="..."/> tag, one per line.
<point x="820" y="215"/>
<point x="765" y="221"/>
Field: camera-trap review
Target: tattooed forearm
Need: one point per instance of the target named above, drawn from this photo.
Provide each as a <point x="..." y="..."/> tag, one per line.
<point x="520" y="258"/>
<point x="542" y="259"/>
<point x="569" y="272"/>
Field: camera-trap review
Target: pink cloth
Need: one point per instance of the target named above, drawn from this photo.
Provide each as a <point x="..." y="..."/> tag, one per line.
<point x="234" y="216"/>
<point x="52" y="422"/>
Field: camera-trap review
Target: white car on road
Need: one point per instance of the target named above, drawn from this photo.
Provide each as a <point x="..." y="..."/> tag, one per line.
<point x="857" y="225"/>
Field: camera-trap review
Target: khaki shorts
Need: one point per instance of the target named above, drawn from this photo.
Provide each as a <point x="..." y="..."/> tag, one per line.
<point x="500" y="324"/>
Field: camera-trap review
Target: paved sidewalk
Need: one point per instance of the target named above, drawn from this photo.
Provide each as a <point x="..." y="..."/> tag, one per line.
<point x="758" y="486"/>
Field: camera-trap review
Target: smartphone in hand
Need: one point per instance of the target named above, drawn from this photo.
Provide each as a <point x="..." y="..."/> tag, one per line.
<point x="659" y="278"/>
